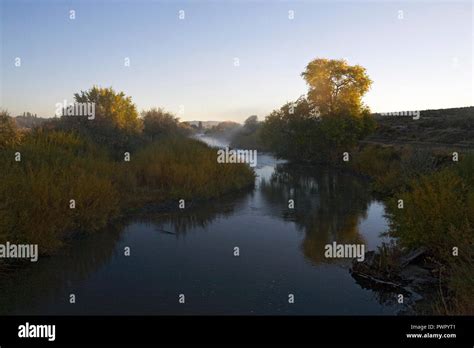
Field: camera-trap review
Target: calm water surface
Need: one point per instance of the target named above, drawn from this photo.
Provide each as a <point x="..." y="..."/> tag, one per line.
<point x="192" y="253"/>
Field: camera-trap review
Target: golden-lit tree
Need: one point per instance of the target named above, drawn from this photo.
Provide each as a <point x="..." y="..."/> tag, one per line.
<point x="335" y="87"/>
<point x="111" y="109"/>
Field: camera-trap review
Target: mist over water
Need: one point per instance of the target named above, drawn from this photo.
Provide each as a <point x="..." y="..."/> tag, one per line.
<point x="212" y="141"/>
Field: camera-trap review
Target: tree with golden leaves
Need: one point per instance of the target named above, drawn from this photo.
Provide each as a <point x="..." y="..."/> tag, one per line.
<point x="337" y="88"/>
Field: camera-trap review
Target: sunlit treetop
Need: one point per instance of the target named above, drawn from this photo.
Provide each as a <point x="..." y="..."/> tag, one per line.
<point x="336" y="88"/>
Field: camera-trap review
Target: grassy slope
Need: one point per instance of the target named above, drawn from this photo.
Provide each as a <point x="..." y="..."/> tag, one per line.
<point x="435" y="128"/>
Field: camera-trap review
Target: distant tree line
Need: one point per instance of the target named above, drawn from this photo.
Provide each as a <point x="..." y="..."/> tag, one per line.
<point x="117" y="124"/>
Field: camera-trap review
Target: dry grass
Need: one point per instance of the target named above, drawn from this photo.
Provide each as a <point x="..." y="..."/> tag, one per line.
<point x="56" y="167"/>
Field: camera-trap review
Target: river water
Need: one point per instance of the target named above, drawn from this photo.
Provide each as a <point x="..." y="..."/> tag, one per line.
<point x="191" y="252"/>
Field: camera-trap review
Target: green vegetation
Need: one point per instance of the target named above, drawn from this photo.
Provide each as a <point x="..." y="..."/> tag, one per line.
<point x="249" y="136"/>
<point x="438" y="214"/>
<point x="9" y="134"/>
<point x="74" y="158"/>
<point x="55" y="167"/>
<point x="181" y="168"/>
<point x="329" y="121"/>
<point x="224" y="131"/>
<point x="116" y="126"/>
<point x="158" y="123"/>
<point x="392" y="169"/>
<point x="435" y="128"/>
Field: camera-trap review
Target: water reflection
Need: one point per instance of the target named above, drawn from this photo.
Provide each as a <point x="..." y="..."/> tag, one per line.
<point x="191" y="251"/>
<point x="198" y="214"/>
<point x="52" y="277"/>
<point x="328" y="205"/>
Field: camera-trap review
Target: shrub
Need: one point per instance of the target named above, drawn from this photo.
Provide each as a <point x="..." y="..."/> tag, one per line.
<point x="437" y="209"/>
<point x="9" y="134"/>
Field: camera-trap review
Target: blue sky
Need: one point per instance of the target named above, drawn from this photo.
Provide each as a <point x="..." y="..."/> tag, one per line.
<point x="187" y="66"/>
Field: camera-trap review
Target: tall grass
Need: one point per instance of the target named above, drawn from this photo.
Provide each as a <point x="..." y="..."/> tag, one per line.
<point x="181" y="168"/>
<point x="57" y="167"/>
<point x="393" y="169"/>
<point x="36" y="192"/>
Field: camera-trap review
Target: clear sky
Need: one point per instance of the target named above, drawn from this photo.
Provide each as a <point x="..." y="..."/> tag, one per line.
<point x="423" y="60"/>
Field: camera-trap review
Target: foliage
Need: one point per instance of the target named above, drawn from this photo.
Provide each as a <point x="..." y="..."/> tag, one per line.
<point x="223" y="130"/>
<point x="335" y="87"/>
<point x="181" y="168"/>
<point x="158" y="123"/>
<point x="112" y="109"/>
<point x="296" y="132"/>
<point x="56" y="167"/>
<point x="393" y="169"/>
<point x="438" y="214"/>
<point x="9" y="134"/>
<point x="116" y="124"/>
<point x="248" y="137"/>
<point x="326" y="123"/>
<point x="435" y="204"/>
<point x="251" y="124"/>
<point x="36" y="191"/>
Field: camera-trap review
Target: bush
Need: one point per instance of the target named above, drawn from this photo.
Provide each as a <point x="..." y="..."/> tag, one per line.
<point x="159" y="123"/>
<point x="392" y="169"/>
<point x="9" y="134"/>
<point x="435" y="205"/>
<point x="438" y="214"/>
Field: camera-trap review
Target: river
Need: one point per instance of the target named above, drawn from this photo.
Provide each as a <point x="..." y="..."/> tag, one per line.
<point x="191" y="252"/>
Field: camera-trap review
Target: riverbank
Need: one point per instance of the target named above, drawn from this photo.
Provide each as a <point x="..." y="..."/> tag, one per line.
<point x="193" y="252"/>
<point x="430" y="204"/>
<point x="429" y="195"/>
<point x="62" y="184"/>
